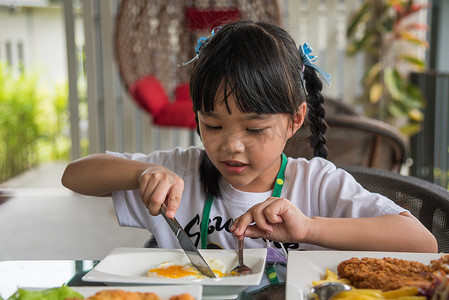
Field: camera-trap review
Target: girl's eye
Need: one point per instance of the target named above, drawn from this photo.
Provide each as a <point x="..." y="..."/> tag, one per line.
<point x="255" y="131"/>
<point x="210" y="127"/>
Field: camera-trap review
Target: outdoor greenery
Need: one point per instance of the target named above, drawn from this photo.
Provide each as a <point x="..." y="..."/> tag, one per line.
<point x="384" y="31"/>
<point x="33" y="122"/>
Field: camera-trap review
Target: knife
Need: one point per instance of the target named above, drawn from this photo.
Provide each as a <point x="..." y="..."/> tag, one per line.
<point x="186" y="244"/>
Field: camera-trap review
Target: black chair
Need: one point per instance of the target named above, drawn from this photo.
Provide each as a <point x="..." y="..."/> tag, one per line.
<point x="336" y="106"/>
<point x="425" y="200"/>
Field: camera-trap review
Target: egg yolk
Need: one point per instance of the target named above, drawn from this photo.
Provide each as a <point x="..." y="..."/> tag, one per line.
<point x="181" y="271"/>
<point x="174" y="271"/>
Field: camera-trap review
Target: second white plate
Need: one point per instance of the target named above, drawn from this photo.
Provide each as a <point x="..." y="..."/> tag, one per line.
<point x="303" y="267"/>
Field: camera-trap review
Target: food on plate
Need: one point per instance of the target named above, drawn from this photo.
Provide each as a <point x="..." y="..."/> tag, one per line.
<point x="440" y="288"/>
<point x="176" y="269"/>
<point x="391" y="278"/>
<point x="385" y="274"/>
<point x="67" y="293"/>
<point x="57" y="293"/>
<point x="118" y="294"/>
<point x="441" y="265"/>
<point x="184" y="296"/>
<point x="404" y="293"/>
<point x="330" y="276"/>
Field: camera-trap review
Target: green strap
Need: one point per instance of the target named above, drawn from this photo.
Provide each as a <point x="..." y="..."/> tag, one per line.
<point x="280" y="178"/>
<point x="205" y="221"/>
<point x="204" y="226"/>
<point x="269" y="268"/>
<point x="271" y="273"/>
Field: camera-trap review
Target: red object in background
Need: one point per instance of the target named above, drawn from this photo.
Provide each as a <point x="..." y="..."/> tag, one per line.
<point x="149" y="93"/>
<point x="151" y="96"/>
<point x="202" y="19"/>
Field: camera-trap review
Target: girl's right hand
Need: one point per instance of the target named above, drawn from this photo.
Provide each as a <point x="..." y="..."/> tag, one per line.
<point x="159" y="185"/>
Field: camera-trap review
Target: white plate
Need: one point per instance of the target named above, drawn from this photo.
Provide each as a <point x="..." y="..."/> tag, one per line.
<point x="129" y="266"/>
<point x="303" y="267"/>
<point x="163" y="291"/>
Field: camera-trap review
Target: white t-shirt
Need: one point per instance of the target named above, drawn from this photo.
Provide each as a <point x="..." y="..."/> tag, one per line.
<point x="315" y="186"/>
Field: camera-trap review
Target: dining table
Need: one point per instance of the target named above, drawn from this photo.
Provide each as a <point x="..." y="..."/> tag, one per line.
<point x="292" y="282"/>
<point x="44" y="274"/>
<point x="41" y="271"/>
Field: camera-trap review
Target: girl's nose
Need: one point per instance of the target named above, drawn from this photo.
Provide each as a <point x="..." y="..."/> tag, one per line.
<point x="234" y="143"/>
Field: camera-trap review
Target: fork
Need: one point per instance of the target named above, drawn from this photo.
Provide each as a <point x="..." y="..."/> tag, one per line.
<point x="241" y="268"/>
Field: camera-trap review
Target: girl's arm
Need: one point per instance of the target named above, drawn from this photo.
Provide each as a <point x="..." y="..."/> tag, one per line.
<point x="402" y="232"/>
<point x="280" y="220"/>
<point x="101" y="174"/>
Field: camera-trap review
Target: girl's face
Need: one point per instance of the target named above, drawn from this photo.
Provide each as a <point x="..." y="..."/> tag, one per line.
<point x="246" y="147"/>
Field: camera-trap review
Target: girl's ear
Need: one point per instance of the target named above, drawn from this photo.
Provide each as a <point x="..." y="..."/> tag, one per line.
<point x="298" y="118"/>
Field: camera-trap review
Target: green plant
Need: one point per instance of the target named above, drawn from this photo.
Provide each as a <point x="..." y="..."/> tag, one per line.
<point x="33" y="122"/>
<point x="53" y="121"/>
<point x="384" y="31"/>
<point x="18" y="129"/>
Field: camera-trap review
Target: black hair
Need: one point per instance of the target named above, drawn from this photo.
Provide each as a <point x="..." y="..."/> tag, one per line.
<point x="260" y="65"/>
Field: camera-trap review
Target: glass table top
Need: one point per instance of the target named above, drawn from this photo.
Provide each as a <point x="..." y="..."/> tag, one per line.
<point x="43" y="274"/>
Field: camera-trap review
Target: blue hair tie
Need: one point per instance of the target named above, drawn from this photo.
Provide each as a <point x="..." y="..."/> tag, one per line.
<point x="200" y="43"/>
<point x="305" y="50"/>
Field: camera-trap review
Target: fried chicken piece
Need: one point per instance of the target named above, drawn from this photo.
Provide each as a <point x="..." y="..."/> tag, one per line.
<point x="118" y="294"/>
<point x="184" y="296"/>
<point x="440" y="265"/>
<point x="385" y="274"/>
<point x="123" y="295"/>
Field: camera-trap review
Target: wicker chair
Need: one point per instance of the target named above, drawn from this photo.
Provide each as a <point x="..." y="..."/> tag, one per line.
<point x="354" y="140"/>
<point x="425" y="200"/>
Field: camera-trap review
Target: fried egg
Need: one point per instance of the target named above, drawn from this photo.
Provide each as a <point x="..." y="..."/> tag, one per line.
<point x="174" y="269"/>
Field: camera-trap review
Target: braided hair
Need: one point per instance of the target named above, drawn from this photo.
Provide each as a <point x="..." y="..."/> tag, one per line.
<point x="261" y="66"/>
<point x="316" y="112"/>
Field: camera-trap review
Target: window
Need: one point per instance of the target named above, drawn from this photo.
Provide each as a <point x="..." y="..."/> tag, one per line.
<point x="8" y="53"/>
<point x="20" y="55"/>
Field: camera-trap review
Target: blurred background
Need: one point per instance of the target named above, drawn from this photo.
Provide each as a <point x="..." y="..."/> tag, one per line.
<point x="80" y="77"/>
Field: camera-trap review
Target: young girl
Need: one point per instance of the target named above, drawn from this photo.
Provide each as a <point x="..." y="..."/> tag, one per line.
<point x="252" y="89"/>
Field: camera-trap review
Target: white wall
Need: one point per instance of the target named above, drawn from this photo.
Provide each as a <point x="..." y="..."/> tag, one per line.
<point x="42" y="34"/>
<point x="49" y="41"/>
<point x="12" y="31"/>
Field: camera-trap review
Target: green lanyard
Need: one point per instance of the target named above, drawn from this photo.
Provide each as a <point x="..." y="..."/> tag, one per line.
<point x="204" y="226"/>
<point x="205" y="221"/>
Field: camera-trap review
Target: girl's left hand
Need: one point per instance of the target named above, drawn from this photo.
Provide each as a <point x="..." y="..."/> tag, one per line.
<point x="276" y="219"/>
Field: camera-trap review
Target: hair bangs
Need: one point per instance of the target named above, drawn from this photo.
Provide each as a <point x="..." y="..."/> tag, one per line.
<point x="253" y="75"/>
